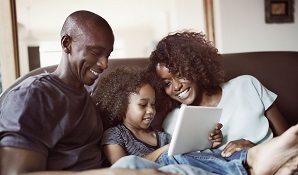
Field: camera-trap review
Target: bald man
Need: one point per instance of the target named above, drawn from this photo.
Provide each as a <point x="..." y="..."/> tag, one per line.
<point x="49" y="122"/>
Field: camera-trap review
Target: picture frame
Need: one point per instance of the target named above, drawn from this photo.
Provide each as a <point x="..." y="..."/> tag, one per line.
<point x="279" y="11"/>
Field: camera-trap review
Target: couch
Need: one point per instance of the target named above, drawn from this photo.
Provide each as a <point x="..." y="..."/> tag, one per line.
<point x="278" y="71"/>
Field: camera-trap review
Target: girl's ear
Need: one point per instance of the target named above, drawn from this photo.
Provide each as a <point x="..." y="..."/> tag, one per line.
<point x="66" y="43"/>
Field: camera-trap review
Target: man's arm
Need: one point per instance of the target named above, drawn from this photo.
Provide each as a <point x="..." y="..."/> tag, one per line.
<point x="16" y="161"/>
<point x="107" y="171"/>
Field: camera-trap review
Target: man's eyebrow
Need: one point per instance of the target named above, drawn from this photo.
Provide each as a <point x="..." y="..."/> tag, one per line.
<point x="100" y="48"/>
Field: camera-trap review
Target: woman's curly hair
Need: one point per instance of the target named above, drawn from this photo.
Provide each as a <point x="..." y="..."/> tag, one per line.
<point x="112" y="93"/>
<point x="188" y="54"/>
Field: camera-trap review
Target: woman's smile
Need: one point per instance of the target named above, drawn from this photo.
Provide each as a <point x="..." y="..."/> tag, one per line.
<point x="184" y="94"/>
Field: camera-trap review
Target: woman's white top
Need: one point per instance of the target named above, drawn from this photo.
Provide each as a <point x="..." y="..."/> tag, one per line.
<point x="244" y="101"/>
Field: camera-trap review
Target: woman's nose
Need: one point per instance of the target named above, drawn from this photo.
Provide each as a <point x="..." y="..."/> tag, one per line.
<point x="177" y="85"/>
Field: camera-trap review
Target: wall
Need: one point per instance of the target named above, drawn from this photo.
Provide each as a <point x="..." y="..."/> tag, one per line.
<point x="7" y="54"/>
<point x="240" y="27"/>
<point x="137" y="27"/>
<point x="39" y="25"/>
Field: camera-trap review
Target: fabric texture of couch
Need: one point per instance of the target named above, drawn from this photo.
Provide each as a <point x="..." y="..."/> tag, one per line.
<point x="278" y="71"/>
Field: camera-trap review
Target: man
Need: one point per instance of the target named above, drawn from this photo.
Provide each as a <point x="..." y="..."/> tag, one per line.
<point x="49" y="122"/>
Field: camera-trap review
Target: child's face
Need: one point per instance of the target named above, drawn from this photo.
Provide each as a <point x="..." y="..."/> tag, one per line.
<point x="141" y="109"/>
<point x="178" y="88"/>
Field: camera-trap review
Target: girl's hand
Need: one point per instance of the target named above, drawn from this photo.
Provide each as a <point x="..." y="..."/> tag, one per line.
<point x="165" y="147"/>
<point x="216" y="136"/>
<point x="153" y="156"/>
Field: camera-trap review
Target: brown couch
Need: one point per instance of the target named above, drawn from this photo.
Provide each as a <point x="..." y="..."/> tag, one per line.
<point x="278" y="71"/>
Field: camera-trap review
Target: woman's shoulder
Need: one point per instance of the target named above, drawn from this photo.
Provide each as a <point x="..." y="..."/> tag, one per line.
<point x="170" y="120"/>
<point x="241" y="82"/>
<point x="243" y="79"/>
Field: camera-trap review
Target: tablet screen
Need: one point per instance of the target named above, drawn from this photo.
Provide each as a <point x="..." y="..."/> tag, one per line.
<point x="192" y="129"/>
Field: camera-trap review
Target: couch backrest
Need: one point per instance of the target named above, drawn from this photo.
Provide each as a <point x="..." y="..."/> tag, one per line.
<point x="278" y="71"/>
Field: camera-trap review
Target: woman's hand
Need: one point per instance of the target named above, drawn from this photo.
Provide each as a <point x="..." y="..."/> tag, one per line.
<point x="236" y="145"/>
<point x="216" y="136"/>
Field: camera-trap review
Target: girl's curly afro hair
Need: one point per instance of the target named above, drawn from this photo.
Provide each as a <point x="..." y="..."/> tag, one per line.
<point x="112" y="93"/>
<point x="188" y="54"/>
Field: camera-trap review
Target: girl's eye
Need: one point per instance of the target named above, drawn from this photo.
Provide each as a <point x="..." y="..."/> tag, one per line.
<point x="143" y="105"/>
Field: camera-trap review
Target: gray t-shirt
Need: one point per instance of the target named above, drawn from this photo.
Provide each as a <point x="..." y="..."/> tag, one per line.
<point x="122" y="136"/>
<point x="45" y="115"/>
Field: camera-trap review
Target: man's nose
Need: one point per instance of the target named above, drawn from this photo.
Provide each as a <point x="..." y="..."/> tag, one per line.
<point x="103" y="62"/>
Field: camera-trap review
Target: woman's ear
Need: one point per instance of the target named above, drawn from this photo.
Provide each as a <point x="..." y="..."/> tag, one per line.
<point x="66" y="43"/>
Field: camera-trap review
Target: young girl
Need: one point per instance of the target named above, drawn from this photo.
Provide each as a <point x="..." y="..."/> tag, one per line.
<point x="126" y="101"/>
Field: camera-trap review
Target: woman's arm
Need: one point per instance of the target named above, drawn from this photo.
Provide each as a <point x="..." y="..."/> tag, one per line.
<point x="114" y="152"/>
<point x="153" y="156"/>
<point x="277" y="122"/>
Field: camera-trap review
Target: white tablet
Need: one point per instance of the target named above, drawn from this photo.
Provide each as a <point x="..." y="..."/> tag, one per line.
<point x="192" y="129"/>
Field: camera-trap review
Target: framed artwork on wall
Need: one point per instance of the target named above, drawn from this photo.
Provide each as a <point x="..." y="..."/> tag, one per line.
<point x="279" y="11"/>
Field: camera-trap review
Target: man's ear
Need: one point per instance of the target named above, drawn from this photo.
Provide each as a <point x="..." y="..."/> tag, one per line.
<point x="66" y="43"/>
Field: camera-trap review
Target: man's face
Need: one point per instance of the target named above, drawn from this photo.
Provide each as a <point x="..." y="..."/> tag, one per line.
<point x="89" y="54"/>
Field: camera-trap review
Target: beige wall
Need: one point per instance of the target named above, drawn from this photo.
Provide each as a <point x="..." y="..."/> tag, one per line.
<point x="240" y="27"/>
<point x="138" y="41"/>
<point x="7" y="56"/>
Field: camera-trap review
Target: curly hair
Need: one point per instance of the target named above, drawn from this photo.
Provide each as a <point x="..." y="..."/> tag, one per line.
<point x="112" y="93"/>
<point x="191" y="56"/>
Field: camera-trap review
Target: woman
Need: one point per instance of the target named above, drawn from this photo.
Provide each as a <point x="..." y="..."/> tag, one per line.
<point x="186" y="69"/>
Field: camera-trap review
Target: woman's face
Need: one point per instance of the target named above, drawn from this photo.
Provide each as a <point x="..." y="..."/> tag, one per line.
<point x="178" y="88"/>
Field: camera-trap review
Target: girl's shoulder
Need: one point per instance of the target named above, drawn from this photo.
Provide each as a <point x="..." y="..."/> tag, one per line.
<point x="115" y="129"/>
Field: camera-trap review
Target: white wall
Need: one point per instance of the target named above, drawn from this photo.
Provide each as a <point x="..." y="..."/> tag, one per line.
<point x="7" y="54"/>
<point x="239" y="24"/>
<point x="189" y="14"/>
<point x="240" y="27"/>
<point x="137" y="25"/>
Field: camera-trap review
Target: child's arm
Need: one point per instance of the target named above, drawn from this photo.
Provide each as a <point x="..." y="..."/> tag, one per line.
<point x="153" y="156"/>
<point x="114" y="152"/>
<point x="216" y="136"/>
